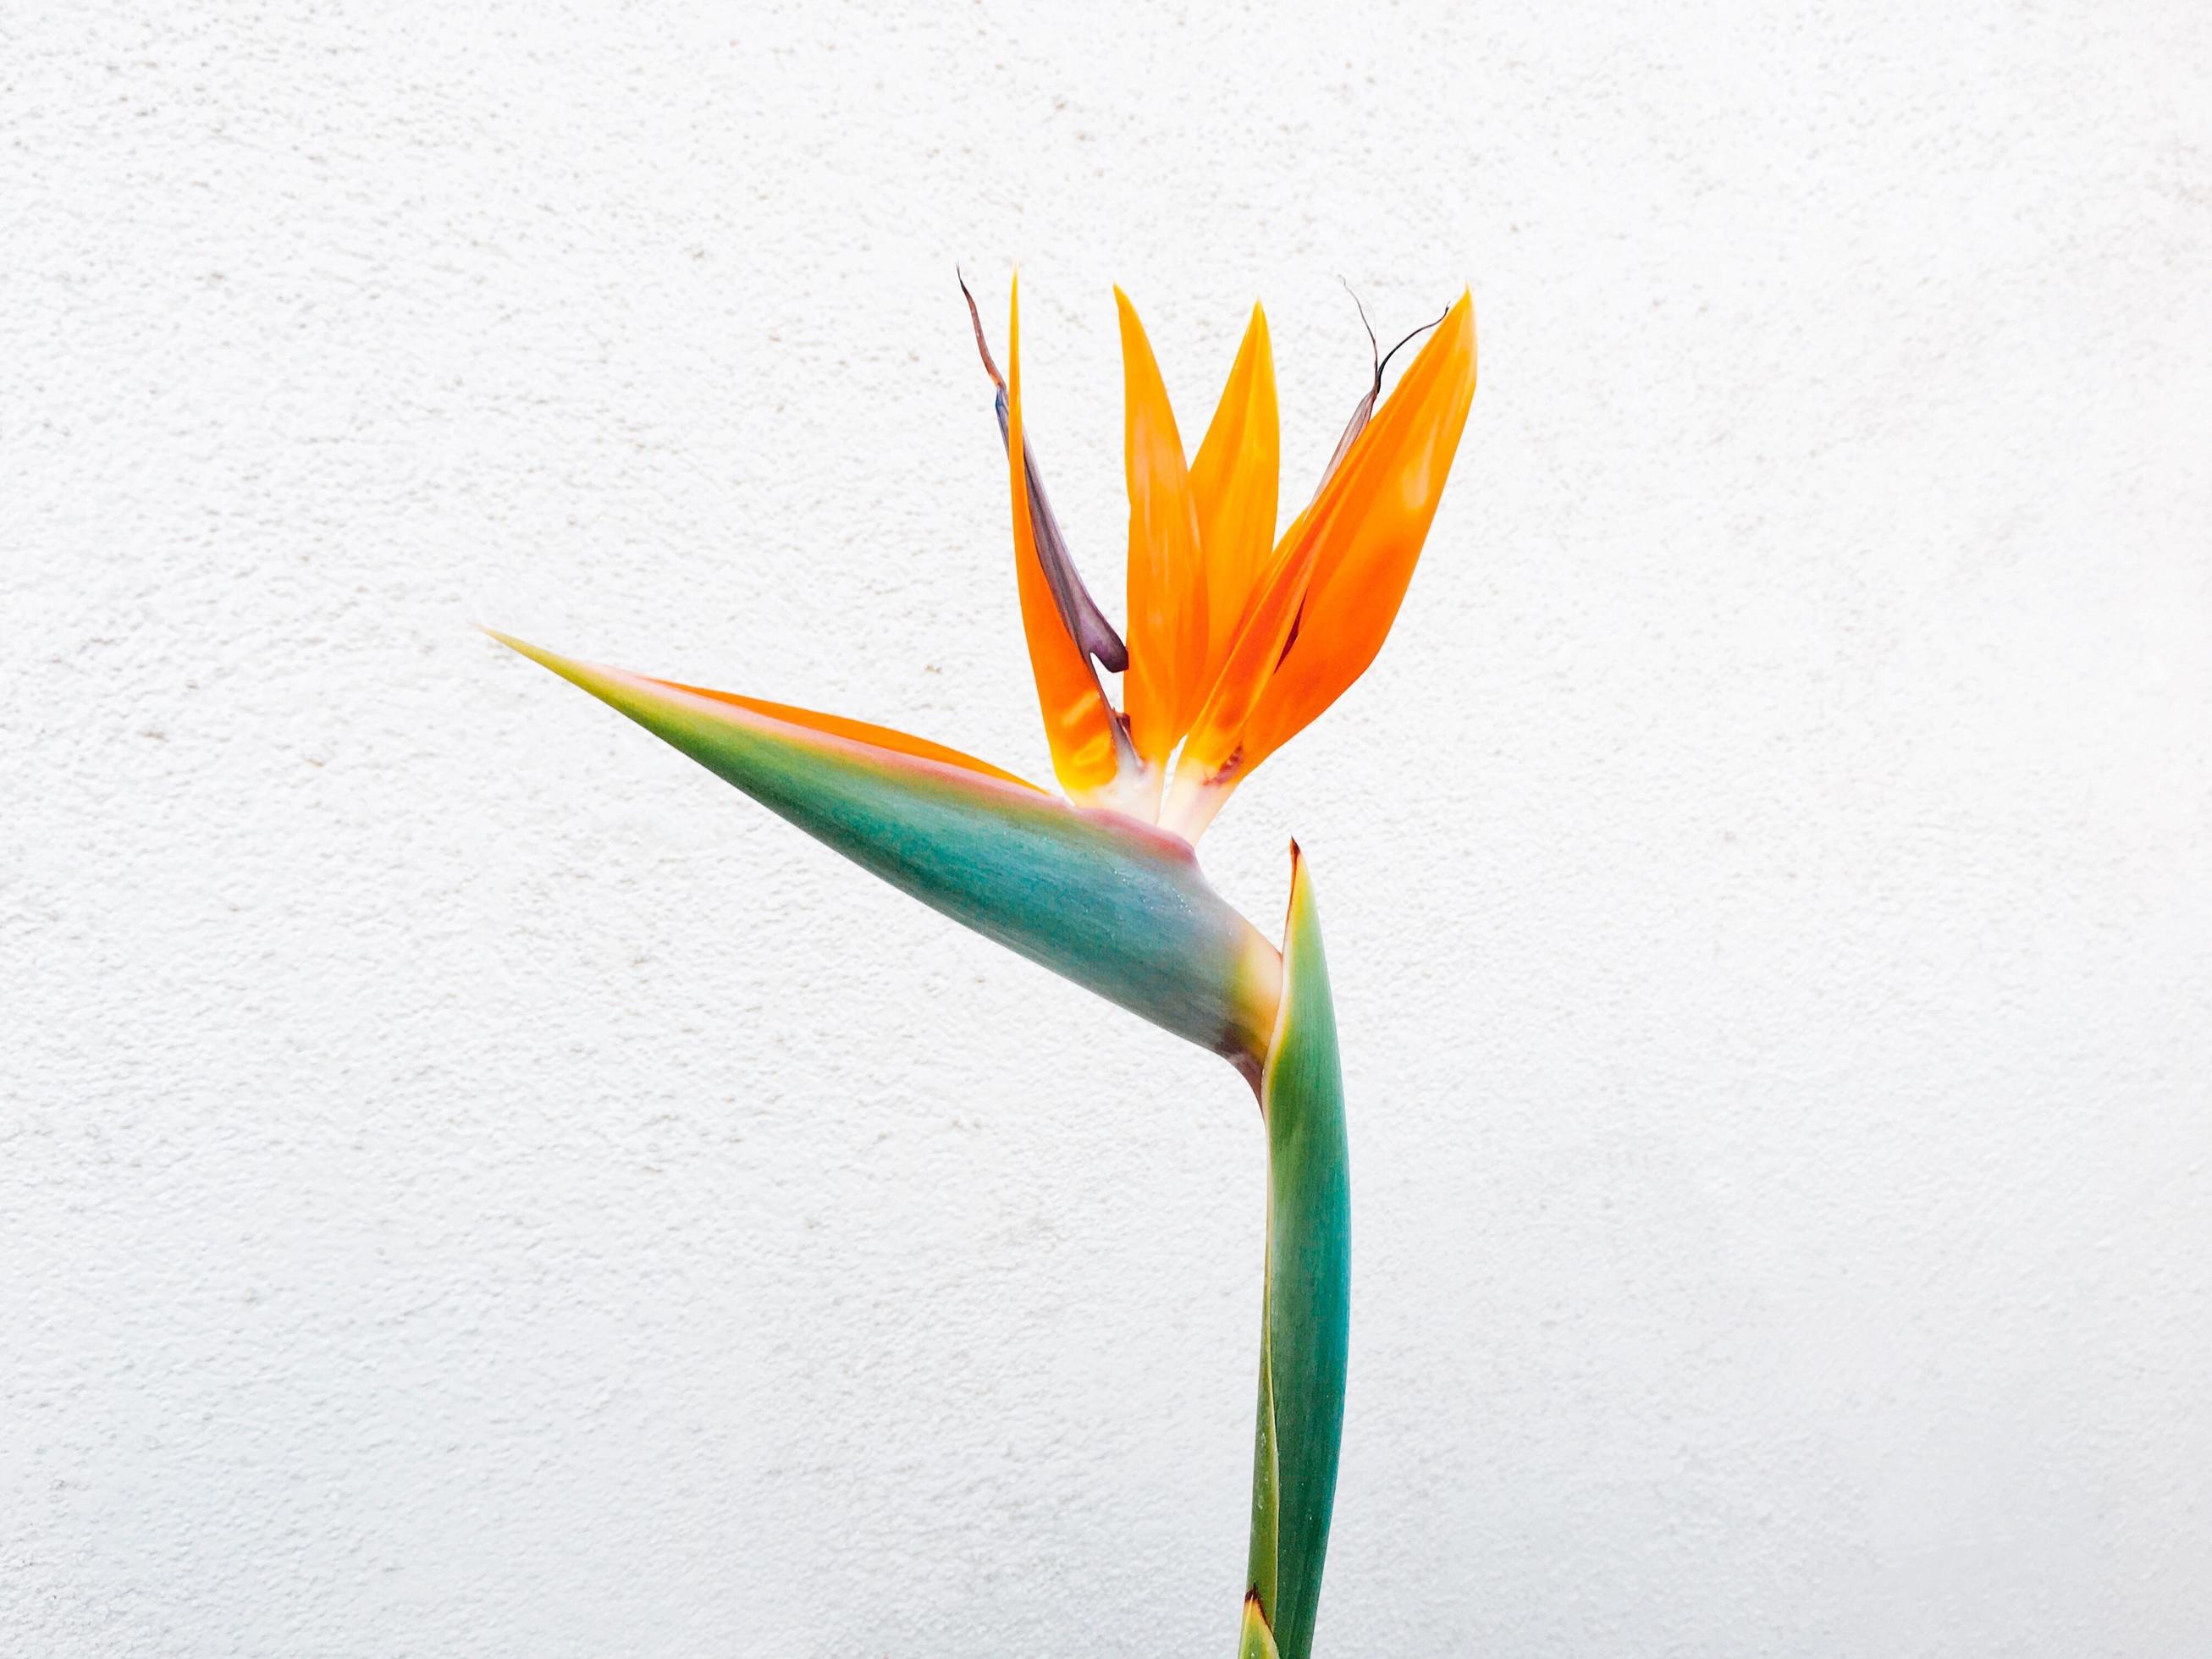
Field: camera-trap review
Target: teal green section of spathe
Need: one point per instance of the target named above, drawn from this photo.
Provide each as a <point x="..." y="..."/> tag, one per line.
<point x="1116" y="907"/>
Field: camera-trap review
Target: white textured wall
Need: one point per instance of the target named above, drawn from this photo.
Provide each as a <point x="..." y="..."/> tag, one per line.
<point x="471" y="1184"/>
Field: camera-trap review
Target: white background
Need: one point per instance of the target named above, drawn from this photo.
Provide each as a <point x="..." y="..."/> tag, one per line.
<point x="471" y="1184"/>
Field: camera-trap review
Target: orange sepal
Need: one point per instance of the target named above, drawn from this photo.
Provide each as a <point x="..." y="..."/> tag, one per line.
<point x="1334" y="587"/>
<point x="1393" y="480"/>
<point x="1234" y="482"/>
<point x="1167" y="578"/>
<point x="1078" y="722"/>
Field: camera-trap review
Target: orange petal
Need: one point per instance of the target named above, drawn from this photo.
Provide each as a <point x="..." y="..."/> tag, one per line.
<point x="1393" y="480"/>
<point x="1078" y="722"/>
<point x="1233" y="485"/>
<point x="1167" y="578"/>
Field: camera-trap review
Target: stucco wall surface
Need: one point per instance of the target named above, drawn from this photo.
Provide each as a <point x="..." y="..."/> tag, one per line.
<point x="471" y="1184"/>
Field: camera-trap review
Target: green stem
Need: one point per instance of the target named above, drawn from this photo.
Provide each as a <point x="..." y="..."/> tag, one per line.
<point x="1306" y="1302"/>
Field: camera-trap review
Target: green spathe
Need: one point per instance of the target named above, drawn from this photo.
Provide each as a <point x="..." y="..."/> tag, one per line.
<point x="1118" y="907"/>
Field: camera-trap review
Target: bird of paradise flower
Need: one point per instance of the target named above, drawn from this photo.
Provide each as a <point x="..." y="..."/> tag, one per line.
<point x="1237" y="640"/>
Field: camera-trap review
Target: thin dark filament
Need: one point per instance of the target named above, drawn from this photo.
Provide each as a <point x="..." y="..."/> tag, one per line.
<point x="1401" y="344"/>
<point x="1363" y="410"/>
